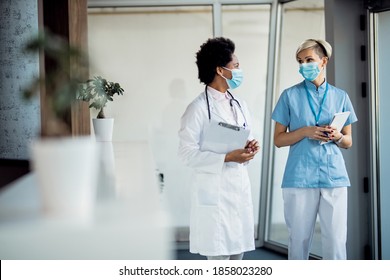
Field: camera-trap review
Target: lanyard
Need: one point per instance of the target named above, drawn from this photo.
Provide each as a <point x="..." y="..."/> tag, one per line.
<point x="317" y="116"/>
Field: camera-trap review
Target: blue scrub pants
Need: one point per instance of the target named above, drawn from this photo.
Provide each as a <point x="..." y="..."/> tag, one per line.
<point x="301" y="206"/>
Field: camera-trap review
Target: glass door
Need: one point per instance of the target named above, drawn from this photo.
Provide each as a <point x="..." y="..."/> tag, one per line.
<point x="380" y="102"/>
<point x="294" y="30"/>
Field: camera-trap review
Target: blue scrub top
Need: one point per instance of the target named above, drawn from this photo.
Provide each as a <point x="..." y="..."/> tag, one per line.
<point x="309" y="164"/>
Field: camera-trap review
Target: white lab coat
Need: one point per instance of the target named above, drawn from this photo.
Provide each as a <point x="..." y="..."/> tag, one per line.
<point x="221" y="221"/>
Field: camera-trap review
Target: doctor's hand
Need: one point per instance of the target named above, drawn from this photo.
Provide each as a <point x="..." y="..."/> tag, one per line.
<point x="240" y="155"/>
<point x="252" y="146"/>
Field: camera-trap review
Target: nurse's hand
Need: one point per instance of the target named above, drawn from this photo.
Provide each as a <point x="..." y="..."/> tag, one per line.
<point x="240" y="156"/>
<point x="335" y="135"/>
<point x="320" y="133"/>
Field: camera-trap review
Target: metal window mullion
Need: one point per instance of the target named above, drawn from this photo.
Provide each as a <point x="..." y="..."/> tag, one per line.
<point x="217" y="19"/>
<point x="374" y="137"/>
<point x="146" y="3"/>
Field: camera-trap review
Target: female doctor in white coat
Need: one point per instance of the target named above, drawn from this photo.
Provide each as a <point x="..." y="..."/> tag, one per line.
<point x="221" y="222"/>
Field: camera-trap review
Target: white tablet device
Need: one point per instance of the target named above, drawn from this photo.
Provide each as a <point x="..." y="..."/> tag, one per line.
<point x="338" y="121"/>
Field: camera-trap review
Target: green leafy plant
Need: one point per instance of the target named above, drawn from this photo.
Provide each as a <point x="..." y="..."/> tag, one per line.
<point x="98" y="91"/>
<point x="66" y="66"/>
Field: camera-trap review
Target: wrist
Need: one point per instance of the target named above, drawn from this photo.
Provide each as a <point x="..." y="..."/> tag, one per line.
<point x="228" y="157"/>
<point x="339" y="140"/>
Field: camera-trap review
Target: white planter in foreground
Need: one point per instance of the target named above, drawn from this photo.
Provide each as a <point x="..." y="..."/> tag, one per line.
<point x="103" y="129"/>
<point x="66" y="170"/>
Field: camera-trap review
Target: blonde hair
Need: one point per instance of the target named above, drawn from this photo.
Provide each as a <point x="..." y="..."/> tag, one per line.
<point x="321" y="47"/>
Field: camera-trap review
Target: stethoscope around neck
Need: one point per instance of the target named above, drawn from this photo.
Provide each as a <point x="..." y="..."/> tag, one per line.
<point x="231" y="101"/>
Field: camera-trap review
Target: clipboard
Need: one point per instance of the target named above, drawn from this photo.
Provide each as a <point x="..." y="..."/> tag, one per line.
<point x="222" y="138"/>
<point x="338" y="121"/>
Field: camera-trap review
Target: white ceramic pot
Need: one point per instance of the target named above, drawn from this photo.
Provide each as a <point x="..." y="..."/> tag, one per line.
<point x="66" y="169"/>
<point x="103" y="129"/>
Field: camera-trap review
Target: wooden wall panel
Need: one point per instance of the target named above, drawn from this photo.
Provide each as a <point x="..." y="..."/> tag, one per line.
<point x="67" y="18"/>
<point x="78" y="36"/>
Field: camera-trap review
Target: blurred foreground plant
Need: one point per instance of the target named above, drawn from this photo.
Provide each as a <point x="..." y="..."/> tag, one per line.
<point x="66" y="66"/>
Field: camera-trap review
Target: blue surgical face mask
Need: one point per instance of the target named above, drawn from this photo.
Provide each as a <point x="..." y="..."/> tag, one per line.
<point x="236" y="80"/>
<point x="309" y="71"/>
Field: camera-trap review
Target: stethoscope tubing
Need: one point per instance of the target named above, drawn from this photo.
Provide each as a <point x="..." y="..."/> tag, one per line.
<point x="231" y="104"/>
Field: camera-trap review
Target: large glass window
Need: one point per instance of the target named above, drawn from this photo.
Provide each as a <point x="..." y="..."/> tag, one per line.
<point x="151" y="53"/>
<point x="248" y="27"/>
<point x="295" y="29"/>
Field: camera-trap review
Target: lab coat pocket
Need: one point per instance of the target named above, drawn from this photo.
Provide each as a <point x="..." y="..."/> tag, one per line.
<point x="336" y="167"/>
<point x="207" y="186"/>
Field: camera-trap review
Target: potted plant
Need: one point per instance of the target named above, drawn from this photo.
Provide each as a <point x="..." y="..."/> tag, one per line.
<point x="66" y="167"/>
<point x="98" y="91"/>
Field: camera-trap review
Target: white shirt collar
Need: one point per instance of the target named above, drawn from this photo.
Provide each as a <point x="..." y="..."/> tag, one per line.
<point x="217" y="95"/>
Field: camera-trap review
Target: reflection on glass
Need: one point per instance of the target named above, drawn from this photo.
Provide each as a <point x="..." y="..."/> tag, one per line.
<point x="295" y="29"/>
<point x="106" y="183"/>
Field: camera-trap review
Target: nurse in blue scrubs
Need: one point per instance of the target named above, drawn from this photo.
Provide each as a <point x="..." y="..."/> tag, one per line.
<point x="315" y="180"/>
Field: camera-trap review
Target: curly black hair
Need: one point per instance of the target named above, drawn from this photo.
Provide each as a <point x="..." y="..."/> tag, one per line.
<point x="213" y="53"/>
